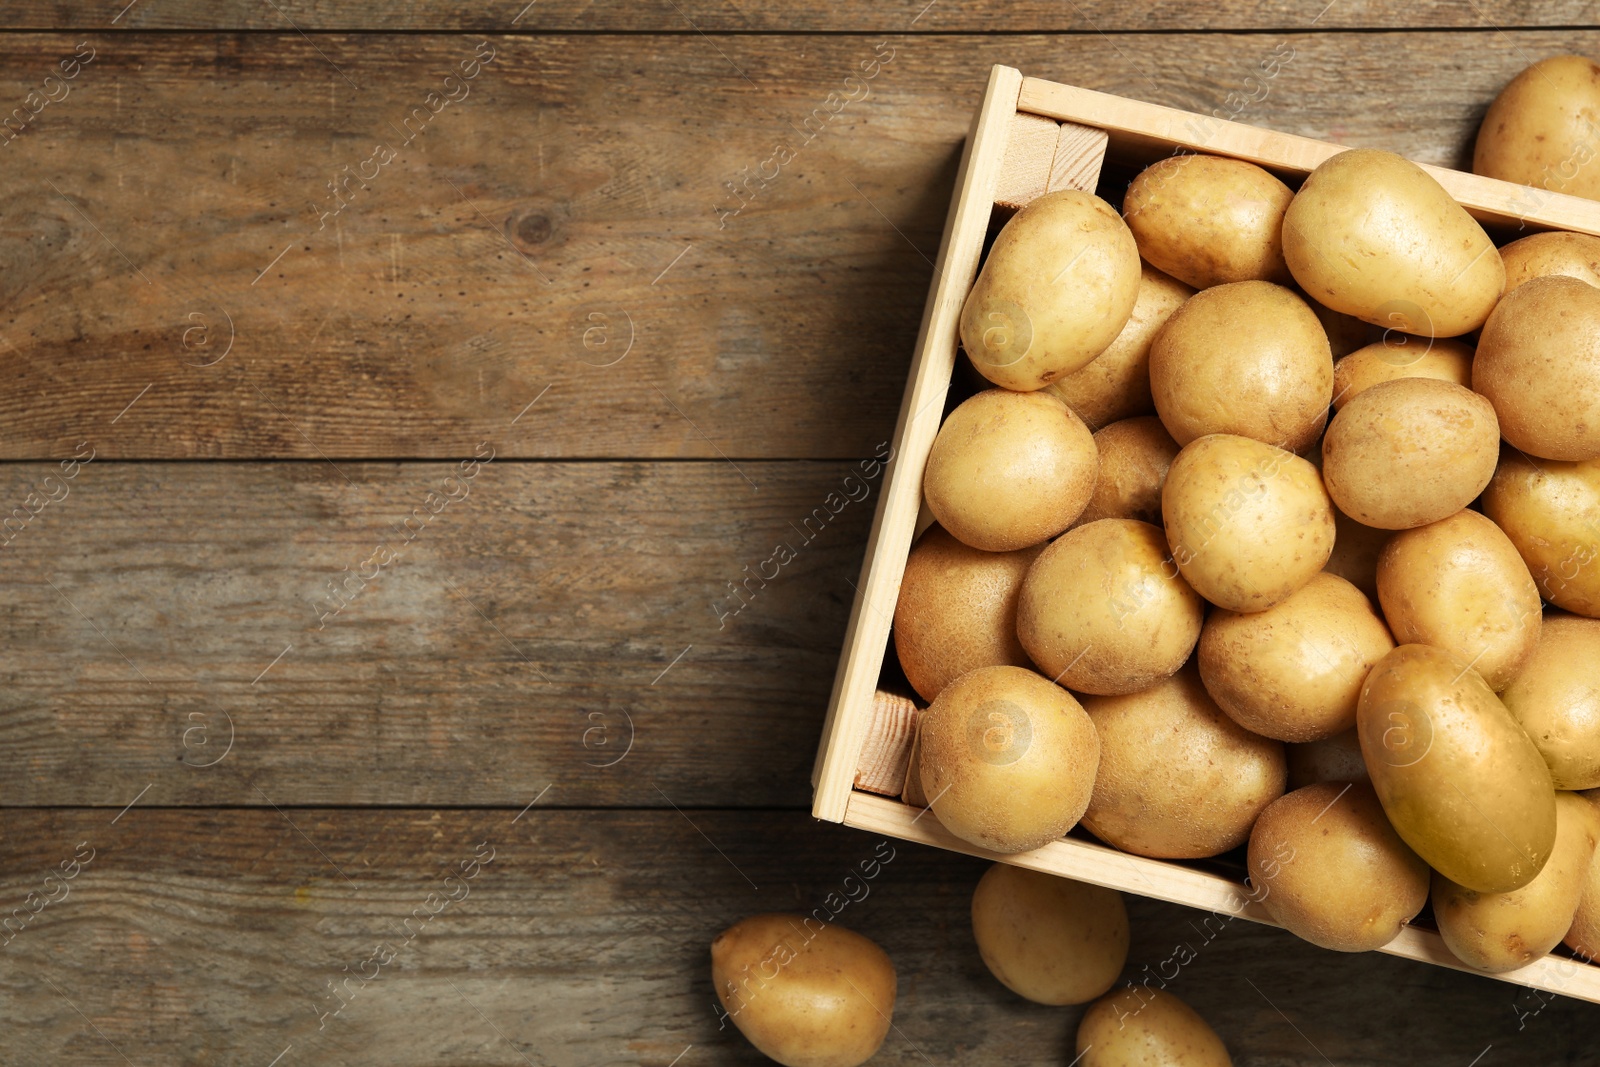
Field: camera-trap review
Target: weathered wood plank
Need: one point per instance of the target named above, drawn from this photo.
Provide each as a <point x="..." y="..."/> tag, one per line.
<point x="524" y="634"/>
<point x="774" y="320"/>
<point x="213" y="936"/>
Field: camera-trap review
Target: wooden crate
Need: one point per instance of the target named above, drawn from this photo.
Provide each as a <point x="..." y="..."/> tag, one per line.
<point x="1029" y="137"/>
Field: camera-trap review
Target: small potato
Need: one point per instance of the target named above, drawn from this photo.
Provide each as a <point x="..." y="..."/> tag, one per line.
<point x="805" y="993"/>
<point x="1134" y="457"/>
<point x="1049" y="939"/>
<point x="1057" y="287"/>
<point x="1576" y="255"/>
<point x="1207" y="220"/>
<point x="1332" y="759"/>
<point x="1010" y="470"/>
<point x="957" y="611"/>
<point x="1355" y="553"/>
<point x="1583" y="936"/>
<point x="1143" y="1027"/>
<point x="1538" y="363"/>
<point x="1401" y="356"/>
<point x="1346" y="333"/>
<point x="1328" y="867"/>
<point x="1246" y="358"/>
<point x="1116" y="384"/>
<point x="1409" y="452"/>
<point x="1458" y="584"/>
<point x="1294" y="671"/>
<point x="1104" y="610"/>
<point x="1178" y="779"/>
<point x="1008" y="757"/>
<point x="1551" y="512"/>
<point x="1248" y="523"/>
<point x="1503" y="931"/>
<point x="1556" y="698"/>
<point x="1540" y="129"/>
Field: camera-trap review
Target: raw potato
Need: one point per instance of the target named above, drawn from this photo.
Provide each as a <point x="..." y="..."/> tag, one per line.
<point x="1539" y="129"/>
<point x="1134" y="457"/>
<point x="1503" y="931"/>
<point x="1010" y="470"/>
<point x="1328" y="867"/>
<point x="1346" y="333"/>
<point x="1104" y="609"/>
<point x="1116" y="384"/>
<point x="1294" y="671"/>
<point x="1178" y="779"/>
<point x="1551" y="512"/>
<point x="1247" y="358"/>
<point x="1248" y="523"/>
<point x="1144" y="1027"/>
<point x="1049" y="939"/>
<point x="805" y="993"/>
<point x="1576" y="255"/>
<point x="1409" y="452"/>
<point x="957" y="611"/>
<point x="1375" y="236"/>
<point x="1008" y="757"/>
<point x="1207" y="220"/>
<point x="1459" y="584"/>
<point x="1332" y="759"/>
<point x="1583" y="937"/>
<point x="1057" y="287"/>
<point x="1556" y="698"/>
<point x="1401" y="356"/>
<point x="1355" y="553"/>
<point x="1459" y="779"/>
<point x="1538" y="362"/>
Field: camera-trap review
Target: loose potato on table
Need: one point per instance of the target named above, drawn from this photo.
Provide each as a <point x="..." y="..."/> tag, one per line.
<point x="1049" y="939"/>
<point x="1057" y="287"/>
<point x="1134" y="457"/>
<point x="1246" y="358"/>
<point x="1539" y="129"/>
<point x="1331" y="759"/>
<point x="1556" y="699"/>
<point x="1575" y="255"/>
<point x="1144" y="1027"/>
<point x="1401" y="356"/>
<point x="1207" y="220"/>
<point x="1551" y="512"/>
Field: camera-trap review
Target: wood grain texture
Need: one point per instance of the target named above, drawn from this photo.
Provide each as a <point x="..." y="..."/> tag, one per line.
<point x="409" y="325"/>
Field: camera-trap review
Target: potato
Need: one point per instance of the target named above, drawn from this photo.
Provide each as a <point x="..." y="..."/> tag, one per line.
<point x="805" y="993"/>
<point x="1401" y="356"/>
<point x="1248" y="523"/>
<point x="957" y="611"/>
<point x="1556" y="699"/>
<point x="1551" y="512"/>
<point x="1294" y="671"/>
<point x="1008" y="757"/>
<point x="1207" y="220"/>
<point x="1459" y="779"/>
<point x="1375" y="236"/>
<point x="1134" y="457"/>
<point x="1049" y="939"/>
<point x="1178" y="779"/>
<point x="1409" y="452"/>
<point x="1057" y="287"/>
<point x="1009" y="470"/>
<point x="1539" y="131"/>
<point x="1583" y="936"/>
<point x="1246" y="358"/>
<point x="1458" y="584"/>
<point x="1104" y="610"/>
<point x="1346" y="333"/>
<point x="1355" y="552"/>
<point x="1116" y="383"/>
<point x="1503" y="931"/>
<point x="1575" y="255"/>
<point x="1331" y="759"/>
<point x="1143" y="1027"/>
<point x="1538" y="363"/>
<point x="1327" y="866"/>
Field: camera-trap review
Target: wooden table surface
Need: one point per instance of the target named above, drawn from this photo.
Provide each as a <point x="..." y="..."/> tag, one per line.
<point x="385" y="447"/>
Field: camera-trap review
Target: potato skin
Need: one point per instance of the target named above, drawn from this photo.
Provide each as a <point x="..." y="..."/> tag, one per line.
<point x="1332" y="759"/>
<point x="1134" y="457"/>
<point x="1459" y="584"/>
<point x="1010" y="470"/>
<point x="1178" y="779"/>
<point x="1551" y="512"/>
<point x="1583" y="936"/>
<point x="1208" y="220"/>
<point x="1375" y="236"/>
<point x="805" y="994"/>
<point x="1048" y="939"/>
<point x="1328" y="867"/>
<point x="1144" y="1027"/>
<point x="1538" y="363"/>
<point x="1537" y="131"/>
<point x="1057" y="287"/>
<point x="1459" y="779"/>
<point x="1355" y="553"/>
<point x="1247" y="358"/>
<point x="1575" y="255"/>
<point x="1401" y="356"/>
<point x="1556" y="699"/>
<point x="1008" y="757"/>
<point x="1248" y="523"/>
<point x="1409" y="452"/>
